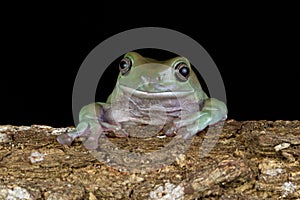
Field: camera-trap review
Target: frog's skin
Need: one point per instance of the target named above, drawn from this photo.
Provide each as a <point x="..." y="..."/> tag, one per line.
<point x="150" y="92"/>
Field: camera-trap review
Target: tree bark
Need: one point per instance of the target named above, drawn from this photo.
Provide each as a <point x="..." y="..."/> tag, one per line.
<point x="247" y="160"/>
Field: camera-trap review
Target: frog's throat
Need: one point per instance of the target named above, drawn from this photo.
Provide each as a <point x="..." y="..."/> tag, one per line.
<point x="154" y="95"/>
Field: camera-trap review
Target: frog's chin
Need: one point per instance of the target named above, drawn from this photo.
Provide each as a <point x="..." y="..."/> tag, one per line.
<point x="154" y="95"/>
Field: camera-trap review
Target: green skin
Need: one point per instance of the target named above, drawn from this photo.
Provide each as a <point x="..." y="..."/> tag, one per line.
<point x="150" y="92"/>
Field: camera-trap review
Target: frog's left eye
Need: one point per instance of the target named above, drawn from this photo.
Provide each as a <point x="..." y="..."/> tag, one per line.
<point x="125" y="65"/>
<point x="182" y="71"/>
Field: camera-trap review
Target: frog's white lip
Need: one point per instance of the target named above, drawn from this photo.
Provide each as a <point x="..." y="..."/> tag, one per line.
<point x="149" y="95"/>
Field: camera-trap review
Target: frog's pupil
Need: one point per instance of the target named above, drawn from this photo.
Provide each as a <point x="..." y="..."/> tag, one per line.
<point x="184" y="71"/>
<point x="124" y="64"/>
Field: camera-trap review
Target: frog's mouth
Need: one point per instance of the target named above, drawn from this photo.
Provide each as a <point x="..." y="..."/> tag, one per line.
<point x="138" y="92"/>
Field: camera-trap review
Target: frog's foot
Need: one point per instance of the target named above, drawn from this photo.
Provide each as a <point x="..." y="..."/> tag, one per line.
<point x="213" y="112"/>
<point x="67" y="138"/>
<point x="91" y="130"/>
<point x="92" y="138"/>
<point x="97" y="131"/>
<point x="83" y="129"/>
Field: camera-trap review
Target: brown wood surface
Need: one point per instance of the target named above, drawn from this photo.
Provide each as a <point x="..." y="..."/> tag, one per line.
<point x="250" y="160"/>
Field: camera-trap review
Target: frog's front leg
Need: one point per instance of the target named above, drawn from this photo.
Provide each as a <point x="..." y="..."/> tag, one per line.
<point x="212" y="112"/>
<point x="94" y="119"/>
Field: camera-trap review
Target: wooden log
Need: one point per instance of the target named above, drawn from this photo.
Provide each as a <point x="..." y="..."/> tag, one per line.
<point x="248" y="160"/>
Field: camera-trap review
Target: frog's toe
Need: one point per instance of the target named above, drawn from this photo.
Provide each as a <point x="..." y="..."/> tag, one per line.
<point x="90" y="144"/>
<point x="65" y="139"/>
<point x="92" y="140"/>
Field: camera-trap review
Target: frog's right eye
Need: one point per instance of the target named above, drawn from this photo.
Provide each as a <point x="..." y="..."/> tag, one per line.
<point x="182" y="71"/>
<point x="125" y="65"/>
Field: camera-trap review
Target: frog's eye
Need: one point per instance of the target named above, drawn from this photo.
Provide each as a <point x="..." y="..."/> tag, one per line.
<point x="125" y="65"/>
<point x="182" y="71"/>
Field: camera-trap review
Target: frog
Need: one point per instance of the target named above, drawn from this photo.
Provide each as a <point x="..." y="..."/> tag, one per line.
<point x="162" y="93"/>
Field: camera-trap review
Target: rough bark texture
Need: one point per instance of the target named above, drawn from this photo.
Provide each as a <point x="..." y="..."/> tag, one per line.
<point x="249" y="160"/>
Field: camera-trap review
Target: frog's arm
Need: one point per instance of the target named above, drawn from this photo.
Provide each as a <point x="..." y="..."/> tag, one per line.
<point x="92" y="123"/>
<point x="212" y="112"/>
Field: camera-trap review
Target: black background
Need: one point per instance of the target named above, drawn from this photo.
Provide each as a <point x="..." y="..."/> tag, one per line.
<point x="256" y="51"/>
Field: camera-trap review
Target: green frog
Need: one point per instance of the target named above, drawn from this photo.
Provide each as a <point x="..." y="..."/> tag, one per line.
<point x="148" y="92"/>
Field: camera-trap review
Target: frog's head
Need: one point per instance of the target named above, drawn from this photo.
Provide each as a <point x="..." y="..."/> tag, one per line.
<point x="146" y="77"/>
